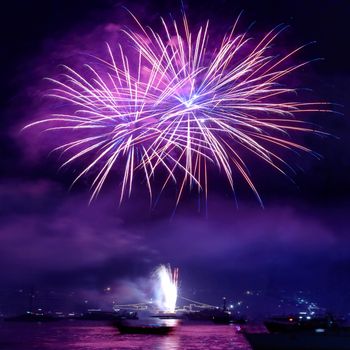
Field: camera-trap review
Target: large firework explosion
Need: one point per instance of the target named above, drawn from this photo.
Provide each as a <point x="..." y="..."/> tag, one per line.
<point x="177" y="106"/>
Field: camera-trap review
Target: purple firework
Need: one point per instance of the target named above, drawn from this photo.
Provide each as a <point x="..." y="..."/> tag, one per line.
<point x="177" y="106"/>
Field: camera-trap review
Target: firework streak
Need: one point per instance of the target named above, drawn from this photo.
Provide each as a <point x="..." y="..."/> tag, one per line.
<point x="176" y="106"/>
<point x="166" y="288"/>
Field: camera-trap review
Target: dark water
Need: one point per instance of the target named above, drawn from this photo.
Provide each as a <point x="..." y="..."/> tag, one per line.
<point x="102" y="336"/>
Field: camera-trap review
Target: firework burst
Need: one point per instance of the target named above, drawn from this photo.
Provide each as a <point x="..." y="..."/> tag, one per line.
<point x="166" y="288"/>
<point x="176" y="105"/>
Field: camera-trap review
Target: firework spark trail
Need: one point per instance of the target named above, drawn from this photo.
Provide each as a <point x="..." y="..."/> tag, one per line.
<point x="166" y="288"/>
<point x="179" y="105"/>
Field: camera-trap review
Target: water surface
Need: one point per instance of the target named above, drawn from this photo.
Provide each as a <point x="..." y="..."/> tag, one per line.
<point x="89" y="335"/>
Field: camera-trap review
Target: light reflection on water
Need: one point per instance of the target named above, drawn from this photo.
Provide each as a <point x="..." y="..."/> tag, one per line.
<point x="102" y="336"/>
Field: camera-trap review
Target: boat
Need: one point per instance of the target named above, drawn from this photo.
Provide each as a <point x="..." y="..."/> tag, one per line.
<point x="222" y="317"/>
<point x="296" y="323"/>
<point x="299" y="341"/>
<point x="300" y="332"/>
<point x="147" y="326"/>
<point x="217" y="316"/>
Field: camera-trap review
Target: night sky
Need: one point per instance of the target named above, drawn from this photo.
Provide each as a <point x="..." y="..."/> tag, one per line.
<point x="52" y="239"/>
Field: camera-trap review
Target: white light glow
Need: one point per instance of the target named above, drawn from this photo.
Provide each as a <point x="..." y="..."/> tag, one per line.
<point x="166" y="288"/>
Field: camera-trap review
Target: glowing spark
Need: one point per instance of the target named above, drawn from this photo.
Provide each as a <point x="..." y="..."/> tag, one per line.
<point x="178" y="105"/>
<point x="166" y="288"/>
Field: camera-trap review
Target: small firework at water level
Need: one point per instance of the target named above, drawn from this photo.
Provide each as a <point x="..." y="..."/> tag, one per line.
<point x="166" y="288"/>
<point x="177" y="106"/>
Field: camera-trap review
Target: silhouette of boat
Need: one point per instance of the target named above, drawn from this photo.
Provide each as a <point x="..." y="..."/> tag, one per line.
<point x="301" y="333"/>
<point x="216" y="316"/>
<point x="299" y="341"/>
<point x="147" y="326"/>
<point x="297" y="323"/>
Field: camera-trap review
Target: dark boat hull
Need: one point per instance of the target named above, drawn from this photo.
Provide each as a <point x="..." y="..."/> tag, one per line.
<point x="284" y="327"/>
<point x="297" y="323"/>
<point x="298" y="341"/>
<point x="160" y="330"/>
<point x="145" y="326"/>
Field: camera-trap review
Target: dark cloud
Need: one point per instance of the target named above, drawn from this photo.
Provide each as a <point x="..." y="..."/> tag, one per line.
<point x="58" y="240"/>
